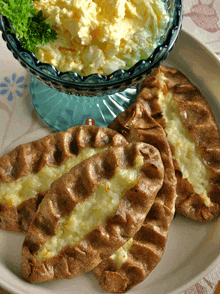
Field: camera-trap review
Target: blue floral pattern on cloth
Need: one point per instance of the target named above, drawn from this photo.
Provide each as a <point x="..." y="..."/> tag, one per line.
<point x="12" y="86"/>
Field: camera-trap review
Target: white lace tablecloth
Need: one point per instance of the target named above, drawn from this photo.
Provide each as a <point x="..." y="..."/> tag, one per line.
<point x="202" y="19"/>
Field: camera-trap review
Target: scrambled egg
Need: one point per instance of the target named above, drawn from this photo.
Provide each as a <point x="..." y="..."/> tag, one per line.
<point x="97" y="36"/>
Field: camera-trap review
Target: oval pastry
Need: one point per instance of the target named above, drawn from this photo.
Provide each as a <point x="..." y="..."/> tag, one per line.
<point x="134" y="261"/>
<point x="194" y="136"/>
<point x="91" y="211"/>
<point x="27" y="172"/>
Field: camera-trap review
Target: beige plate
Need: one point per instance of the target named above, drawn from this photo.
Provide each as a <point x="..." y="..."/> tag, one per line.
<point x="193" y="249"/>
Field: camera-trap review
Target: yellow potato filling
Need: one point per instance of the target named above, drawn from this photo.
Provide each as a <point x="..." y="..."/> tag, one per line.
<point x="187" y="154"/>
<point x="91" y="213"/>
<point x="24" y="188"/>
<point x="121" y="255"/>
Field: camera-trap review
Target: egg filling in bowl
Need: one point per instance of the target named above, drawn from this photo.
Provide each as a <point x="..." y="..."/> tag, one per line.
<point x="96" y="36"/>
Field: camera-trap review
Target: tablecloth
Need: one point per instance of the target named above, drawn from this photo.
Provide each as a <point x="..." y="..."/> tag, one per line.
<point x="202" y="19"/>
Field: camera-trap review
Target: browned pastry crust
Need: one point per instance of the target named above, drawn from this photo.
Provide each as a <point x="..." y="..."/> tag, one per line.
<point x="197" y="117"/>
<point x="149" y="242"/>
<point x="52" y="150"/>
<point x="77" y="185"/>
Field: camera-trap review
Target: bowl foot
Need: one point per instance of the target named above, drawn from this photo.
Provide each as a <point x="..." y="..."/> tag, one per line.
<point x="61" y="111"/>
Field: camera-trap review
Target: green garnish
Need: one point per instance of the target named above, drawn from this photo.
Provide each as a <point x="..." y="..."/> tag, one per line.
<point x="30" y="27"/>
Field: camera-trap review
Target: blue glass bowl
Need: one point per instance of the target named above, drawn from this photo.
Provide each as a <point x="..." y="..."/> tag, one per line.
<point x="96" y="84"/>
<point x="68" y="99"/>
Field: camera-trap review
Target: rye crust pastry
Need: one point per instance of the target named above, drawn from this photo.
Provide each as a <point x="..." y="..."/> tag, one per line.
<point x="76" y="188"/>
<point x="195" y="117"/>
<point x="30" y="159"/>
<point x="148" y="245"/>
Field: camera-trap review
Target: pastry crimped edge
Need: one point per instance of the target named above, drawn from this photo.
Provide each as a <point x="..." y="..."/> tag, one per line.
<point x="78" y="185"/>
<point x="52" y="150"/>
<point x="150" y="241"/>
<point x="198" y="119"/>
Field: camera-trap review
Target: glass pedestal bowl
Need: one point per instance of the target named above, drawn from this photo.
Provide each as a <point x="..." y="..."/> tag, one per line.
<point x="68" y="99"/>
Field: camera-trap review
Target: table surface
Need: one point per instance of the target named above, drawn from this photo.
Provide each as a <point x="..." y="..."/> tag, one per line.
<point x="202" y="19"/>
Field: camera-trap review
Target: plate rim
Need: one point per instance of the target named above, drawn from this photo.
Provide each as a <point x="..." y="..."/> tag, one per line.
<point x="211" y="266"/>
